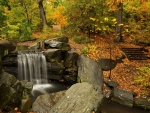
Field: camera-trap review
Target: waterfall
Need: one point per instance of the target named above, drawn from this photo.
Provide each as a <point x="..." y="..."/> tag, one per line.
<point x="32" y="66"/>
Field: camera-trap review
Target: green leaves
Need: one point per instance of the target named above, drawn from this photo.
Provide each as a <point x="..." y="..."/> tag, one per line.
<point x="88" y="16"/>
<point x="21" y="18"/>
<point x="143" y="76"/>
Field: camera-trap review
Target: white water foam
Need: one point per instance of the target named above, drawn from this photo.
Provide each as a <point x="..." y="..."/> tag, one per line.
<point x="32" y="66"/>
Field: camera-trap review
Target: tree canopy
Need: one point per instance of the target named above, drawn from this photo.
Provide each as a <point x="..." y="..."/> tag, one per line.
<point x="19" y="19"/>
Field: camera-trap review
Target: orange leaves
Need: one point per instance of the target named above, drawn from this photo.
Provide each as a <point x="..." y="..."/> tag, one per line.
<point x="91" y="51"/>
<point x="58" y="16"/>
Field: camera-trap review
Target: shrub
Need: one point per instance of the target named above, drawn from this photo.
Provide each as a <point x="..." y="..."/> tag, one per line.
<point x="91" y="51"/>
<point x="136" y="16"/>
<point x="82" y="39"/>
<point x="143" y="77"/>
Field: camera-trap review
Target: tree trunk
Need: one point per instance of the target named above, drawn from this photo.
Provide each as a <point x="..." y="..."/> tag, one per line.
<point x="119" y="23"/>
<point x="42" y="12"/>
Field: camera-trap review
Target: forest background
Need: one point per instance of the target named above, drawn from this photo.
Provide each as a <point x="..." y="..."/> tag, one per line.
<point x="80" y="20"/>
<point x="77" y="18"/>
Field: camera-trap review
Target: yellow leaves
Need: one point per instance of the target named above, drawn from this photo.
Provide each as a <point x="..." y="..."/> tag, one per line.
<point x="93" y="19"/>
<point x="92" y="52"/>
<point x="57" y="15"/>
<point x="106" y="19"/>
<point x="6" y="11"/>
<point x="120" y="24"/>
<point x="98" y="29"/>
<point x="113" y="20"/>
<point x="126" y="30"/>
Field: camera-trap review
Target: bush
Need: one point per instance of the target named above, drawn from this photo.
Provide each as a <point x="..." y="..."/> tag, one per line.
<point x="91" y="51"/>
<point x="89" y="17"/>
<point x="82" y="39"/>
<point x="136" y="17"/>
<point x="143" y="77"/>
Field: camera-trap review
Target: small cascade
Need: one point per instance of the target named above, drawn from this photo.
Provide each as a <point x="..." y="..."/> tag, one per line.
<point x="32" y="66"/>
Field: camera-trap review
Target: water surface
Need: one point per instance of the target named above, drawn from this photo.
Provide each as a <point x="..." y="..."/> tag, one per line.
<point x="113" y="107"/>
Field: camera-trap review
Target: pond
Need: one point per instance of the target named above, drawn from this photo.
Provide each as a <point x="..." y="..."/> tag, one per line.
<point x="108" y="106"/>
<point x="39" y="89"/>
<point x="113" y="107"/>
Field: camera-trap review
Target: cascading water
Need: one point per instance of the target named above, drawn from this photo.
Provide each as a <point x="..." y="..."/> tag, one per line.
<point x="32" y="66"/>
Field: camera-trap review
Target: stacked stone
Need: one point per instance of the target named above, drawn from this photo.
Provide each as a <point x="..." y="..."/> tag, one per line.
<point x="13" y="93"/>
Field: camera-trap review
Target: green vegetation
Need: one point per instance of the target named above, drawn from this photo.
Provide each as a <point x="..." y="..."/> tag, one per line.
<point x="82" y="39"/>
<point x="20" y="19"/>
<point x="143" y="76"/>
<point x="137" y="21"/>
<point x="88" y="17"/>
<point x="91" y="51"/>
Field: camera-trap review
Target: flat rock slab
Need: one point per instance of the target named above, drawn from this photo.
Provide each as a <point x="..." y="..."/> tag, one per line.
<point x="142" y="102"/>
<point x="90" y="71"/>
<point x="80" y="98"/>
<point x="123" y="97"/>
<point x="45" y="102"/>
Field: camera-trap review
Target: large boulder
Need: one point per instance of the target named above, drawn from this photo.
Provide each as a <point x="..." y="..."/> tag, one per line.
<point x="0" y="64"/>
<point x="79" y="98"/>
<point x="12" y="91"/>
<point x="143" y="102"/>
<point x="123" y="97"/>
<point x="110" y="83"/>
<point x="35" y="46"/>
<point x="90" y="71"/>
<point x="107" y="64"/>
<point x="9" y="63"/>
<point x="58" y="43"/>
<point x="70" y="59"/>
<point x="6" y="47"/>
<point x="53" y="55"/>
<point x="58" y="39"/>
<point x="45" y="102"/>
<point x="55" y="70"/>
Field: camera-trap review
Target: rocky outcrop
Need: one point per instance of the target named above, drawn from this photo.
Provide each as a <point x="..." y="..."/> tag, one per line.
<point x="45" y="102"/>
<point x="53" y="55"/>
<point x="0" y="64"/>
<point x="109" y="64"/>
<point x="90" y="71"/>
<point x="12" y="91"/>
<point x="6" y="47"/>
<point x="143" y="102"/>
<point x="58" y="39"/>
<point x="79" y="98"/>
<point x="59" y="45"/>
<point x="61" y="62"/>
<point x="123" y="97"/>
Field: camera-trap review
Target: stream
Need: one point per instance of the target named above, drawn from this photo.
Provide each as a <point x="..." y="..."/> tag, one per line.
<point x="108" y="106"/>
<point x="114" y="107"/>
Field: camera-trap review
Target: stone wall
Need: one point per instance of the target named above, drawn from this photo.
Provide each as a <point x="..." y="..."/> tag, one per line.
<point x="12" y="91"/>
<point x="61" y="60"/>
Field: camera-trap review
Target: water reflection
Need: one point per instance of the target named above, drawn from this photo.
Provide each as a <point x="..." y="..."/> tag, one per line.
<point x="113" y="107"/>
<point x="40" y="89"/>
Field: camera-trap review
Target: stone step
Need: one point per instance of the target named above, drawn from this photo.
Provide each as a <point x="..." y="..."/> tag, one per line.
<point x="135" y="53"/>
